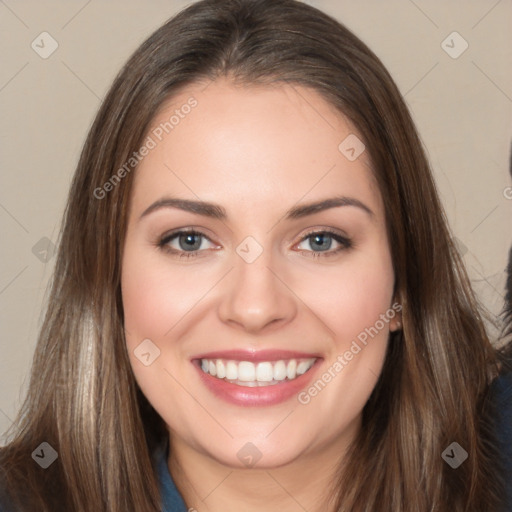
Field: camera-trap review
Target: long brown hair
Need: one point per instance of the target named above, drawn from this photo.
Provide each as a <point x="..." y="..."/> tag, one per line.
<point x="434" y="390"/>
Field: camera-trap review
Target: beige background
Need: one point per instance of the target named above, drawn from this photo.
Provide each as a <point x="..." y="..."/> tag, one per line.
<point x="462" y="107"/>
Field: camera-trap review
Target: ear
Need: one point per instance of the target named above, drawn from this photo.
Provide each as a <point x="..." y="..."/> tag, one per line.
<point x="395" y="323"/>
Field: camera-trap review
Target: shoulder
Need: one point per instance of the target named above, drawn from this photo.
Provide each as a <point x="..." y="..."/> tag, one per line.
<point x="6" y="504"/>
<point x="5" y="501"/>
<point x="501" y="390"/>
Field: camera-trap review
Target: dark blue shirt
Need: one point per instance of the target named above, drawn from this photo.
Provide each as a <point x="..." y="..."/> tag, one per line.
<point x="171" y="498"/>
<point x="502" y="391"/>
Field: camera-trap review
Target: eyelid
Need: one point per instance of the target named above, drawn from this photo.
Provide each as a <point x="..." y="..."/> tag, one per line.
<point x="324" y="229"/>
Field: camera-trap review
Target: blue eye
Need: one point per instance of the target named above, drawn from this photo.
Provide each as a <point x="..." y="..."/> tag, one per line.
<point x="322" y="240"/>
<point x="190" y="242"/>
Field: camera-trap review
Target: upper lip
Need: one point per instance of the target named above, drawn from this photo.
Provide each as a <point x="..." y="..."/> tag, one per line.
<point x="256" y="355"/>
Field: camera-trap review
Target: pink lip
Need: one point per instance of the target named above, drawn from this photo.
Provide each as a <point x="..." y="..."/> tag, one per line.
<point x="258" y="396"/>
<point x="256" y="356"/>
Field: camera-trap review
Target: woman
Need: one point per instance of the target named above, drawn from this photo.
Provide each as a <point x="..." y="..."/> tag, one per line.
<point x="257" y="304"/>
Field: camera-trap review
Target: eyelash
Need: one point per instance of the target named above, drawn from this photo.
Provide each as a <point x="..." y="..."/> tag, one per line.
<point x="344" y="242"/>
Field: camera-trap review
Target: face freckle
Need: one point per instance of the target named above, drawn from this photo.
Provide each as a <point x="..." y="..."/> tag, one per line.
<point x="256" y="272"/>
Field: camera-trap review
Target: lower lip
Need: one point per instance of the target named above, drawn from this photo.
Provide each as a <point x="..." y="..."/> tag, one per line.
<point x="257" y="396"/>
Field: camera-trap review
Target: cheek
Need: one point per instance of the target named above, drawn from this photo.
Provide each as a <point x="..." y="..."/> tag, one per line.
<point x="356" y="306"/>
<point x="354" y="301"/>
<point x="367" y="294"/>
<point x="349" y="297"/>
<point x="154" y="300"/>
<point x="154" y="297"/>
<point x="143" y="298"/>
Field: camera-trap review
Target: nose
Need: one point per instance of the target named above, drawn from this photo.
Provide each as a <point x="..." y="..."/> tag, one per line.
<point x="256" y="296"/>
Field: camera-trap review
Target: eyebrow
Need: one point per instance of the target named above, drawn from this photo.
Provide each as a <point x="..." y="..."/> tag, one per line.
<point x="216" y="211"/>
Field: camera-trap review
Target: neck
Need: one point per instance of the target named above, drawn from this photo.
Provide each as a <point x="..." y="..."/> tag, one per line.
<point x="302" y="484"/>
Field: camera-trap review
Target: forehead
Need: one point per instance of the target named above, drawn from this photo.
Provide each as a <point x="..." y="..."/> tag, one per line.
<point x="253" y="145"/>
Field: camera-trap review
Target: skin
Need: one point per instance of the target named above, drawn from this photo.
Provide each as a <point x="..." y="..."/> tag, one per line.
<point x="256" y="151"/>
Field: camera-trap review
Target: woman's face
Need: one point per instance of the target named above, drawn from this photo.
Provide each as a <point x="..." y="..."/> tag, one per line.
<point x="285" y="293"/>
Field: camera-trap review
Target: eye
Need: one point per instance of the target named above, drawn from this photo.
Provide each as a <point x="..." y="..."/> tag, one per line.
<point x="187" y="243"/>
<point x="321" y="242"/>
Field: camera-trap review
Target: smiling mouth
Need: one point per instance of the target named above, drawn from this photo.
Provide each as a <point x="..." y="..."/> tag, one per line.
<point x="263" y="373"/>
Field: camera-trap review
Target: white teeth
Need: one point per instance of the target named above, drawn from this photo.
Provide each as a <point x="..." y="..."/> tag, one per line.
<point x="302" y="367"/>
<point x="246" y="371"/>
<point x="221" y="369"/>
<point x="291" y="369"/>
<point x="280" y="370"/>
<point x="231" y="370"/>
<point x="265" y="373"/>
